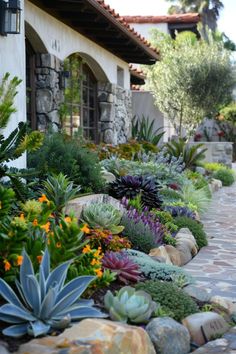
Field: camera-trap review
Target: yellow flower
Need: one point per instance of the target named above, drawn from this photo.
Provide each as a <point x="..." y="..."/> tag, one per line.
<point x="98" y="273"/>
<point x="85" y="229"/>
<point x="58" y="245"/>
<point x="19" y="260"/>
<point x="7" y="265"/>
<point x="35" y="222"/>
<point x="86" y="249"/>
<point x="43" y="199"/>
<point x="68" y="219"/>
<point x="46" y="227"/>
<point x="22" y="217"/>
<point x="39" y="259"/>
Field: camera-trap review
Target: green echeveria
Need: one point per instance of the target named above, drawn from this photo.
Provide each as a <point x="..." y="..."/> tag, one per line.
<point x="129" y="305"/>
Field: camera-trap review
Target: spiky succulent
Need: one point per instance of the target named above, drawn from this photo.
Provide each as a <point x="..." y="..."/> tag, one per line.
<point x="45" y="302"/>
<point x="101" y="215"/>
<point x="131" y="186"/>
<point x="119" y="262"/>
<point x="129" y="305"/>
<point x="176" y="211"/>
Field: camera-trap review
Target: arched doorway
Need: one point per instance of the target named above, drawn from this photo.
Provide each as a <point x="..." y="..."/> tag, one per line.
<point x="30" y="85"/>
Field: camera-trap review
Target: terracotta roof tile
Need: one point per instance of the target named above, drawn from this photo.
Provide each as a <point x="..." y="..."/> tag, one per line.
<point x="176" y="18"/>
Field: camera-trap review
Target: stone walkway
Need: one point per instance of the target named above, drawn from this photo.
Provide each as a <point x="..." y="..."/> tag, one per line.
<point x="214" y="267"/>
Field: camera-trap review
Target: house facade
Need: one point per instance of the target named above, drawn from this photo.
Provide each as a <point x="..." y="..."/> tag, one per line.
<point x="53" y="32"/>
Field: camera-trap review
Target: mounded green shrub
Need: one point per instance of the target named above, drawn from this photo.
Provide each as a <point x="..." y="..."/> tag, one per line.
<point x="195" y="227"/>
<point x="170" y="297"/>
<point x="226" y="176"/>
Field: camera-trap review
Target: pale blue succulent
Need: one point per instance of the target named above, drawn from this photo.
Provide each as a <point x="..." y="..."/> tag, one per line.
<point x="129" y="305"/>
<point x="45" y="301"/>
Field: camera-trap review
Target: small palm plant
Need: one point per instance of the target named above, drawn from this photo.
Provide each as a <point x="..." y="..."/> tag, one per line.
<point x="45" y="302"/>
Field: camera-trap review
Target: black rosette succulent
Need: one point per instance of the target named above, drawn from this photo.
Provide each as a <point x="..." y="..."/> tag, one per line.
<point x="132" y="186"/>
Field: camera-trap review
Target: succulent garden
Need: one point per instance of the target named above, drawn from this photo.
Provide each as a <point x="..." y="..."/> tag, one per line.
<point x="68" y="254"/>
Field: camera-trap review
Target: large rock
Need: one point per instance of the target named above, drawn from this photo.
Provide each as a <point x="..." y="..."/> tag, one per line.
<point x="168" y="336"/>
<point x="215" y="185"/>
<point x="185" y="253"/>
<point x="93" y="336"/>
<point x="184" y="236"/>
<point x="204" y="326"/>
<point x="160" y="252"/>
<point x="197" y="293"/>
<point x="76" y="205"/>
<point x="174" y="255"/>
<point x="228" y="305"/>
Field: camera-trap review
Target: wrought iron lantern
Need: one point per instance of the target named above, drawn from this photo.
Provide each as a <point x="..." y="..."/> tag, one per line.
<point x="10" y="17"/>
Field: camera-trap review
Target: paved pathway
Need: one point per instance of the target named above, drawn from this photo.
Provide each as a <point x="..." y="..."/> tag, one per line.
<point x="214" y="267"/>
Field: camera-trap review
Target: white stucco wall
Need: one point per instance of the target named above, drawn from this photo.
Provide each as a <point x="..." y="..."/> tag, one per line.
<point x="61" y="40"/>
<point x="144" y="28"/>
<point x="12" y="60"/>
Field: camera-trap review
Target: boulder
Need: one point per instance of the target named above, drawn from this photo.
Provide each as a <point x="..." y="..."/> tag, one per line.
<point x="160" y="252"/>
<point x="185" y="253"/>
<point x="228" y="305"/>
<point x="197" y="293"/>
<point x="204" y="326"/>
<point x="184" y="236"/>
<point x="173" y="254"/>
<point x="168" y="336"/>
<point x="215" y="185"/>
<point x="92" y="336"/>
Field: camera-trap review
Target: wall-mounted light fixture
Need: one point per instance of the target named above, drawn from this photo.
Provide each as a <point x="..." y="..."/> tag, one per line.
<point x="10" y="14"/>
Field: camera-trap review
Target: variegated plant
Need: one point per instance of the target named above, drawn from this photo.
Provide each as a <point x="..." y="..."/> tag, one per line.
<point x="45" y="301"/>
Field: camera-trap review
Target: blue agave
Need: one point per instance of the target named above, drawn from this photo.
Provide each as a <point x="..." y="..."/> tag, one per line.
<point x="45" y="301"/>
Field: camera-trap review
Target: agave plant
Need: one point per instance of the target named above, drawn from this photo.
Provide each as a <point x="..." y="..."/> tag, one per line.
<point x="45" y="302"/>
<point x="129" y="305"/>
<point x="143" y="130"/>
<point x="119" y="262"/>
<point x="132" y="186"/>
<point x="101" y="215"/>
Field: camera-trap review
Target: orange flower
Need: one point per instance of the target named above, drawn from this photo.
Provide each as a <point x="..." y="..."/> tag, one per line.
<point x="43" y="199"/>
<point x="94" y="262"/>
<point x="98" y="273"/>
<point x="46" y="227"/>
<point x="86" y="249"/>
<point x="39" y="259"/>
<point x="35" y="222"/>
<point x="7" y="265"/>
<point x="68" y="219"/>
<point x="22" y="217"/>
<point x="19" y="260"/>
<point x="58" y="245"/>
<point x="85" y="229"/>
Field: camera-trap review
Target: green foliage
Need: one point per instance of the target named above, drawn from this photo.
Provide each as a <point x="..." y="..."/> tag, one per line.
<point x="45" y="303"/>
<point x="192" y="155"/>
<point x="168" y="239"/>
<point x="170" y="195"/>
<point x="64" y="154"/>
<point x="101" y="215"/>
<point x="170" y="297"/>
<point x="213" y="166"/>
<point x="192" y="79"/>
<point x="129" y="305"/>
<point x="59" y="190"/>
<point x="226" y="176"/>
<point x="196" y="197"/>
<point x="7" y="197"/>
<point x="166" y="219"/>
<point x="143" y="130"/>
<point x="152" y="269"/>
<point x="195" y="227"/>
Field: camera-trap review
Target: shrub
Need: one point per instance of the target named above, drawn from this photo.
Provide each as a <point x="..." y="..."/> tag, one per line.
<point x="199" y="197"/>
<point x="195" y="227"/>
<point x="170" y="195"/>
<point x="226" y="176"/>
<point x="170" y="297"/>
<point x="7" y="197"/>
<point x="60" y="153"/>
<point x="213" y="166"/>
<point x="106" y="240"/>
<point x="176" y="211"/>
<point x="154" y="270"/>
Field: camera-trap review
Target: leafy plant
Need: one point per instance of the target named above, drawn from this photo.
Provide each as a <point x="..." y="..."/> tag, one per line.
<point x="127" y="271"/>
<point x="143" y="130"/>
<point x="101" y="215"/>
<point x="226" y="176"/>
<point x="59" y="190"/>
<point x="7" y="197"/>
<point x="130" y="305"/>
<point x="170" y="297"/>
<point x="170" y="195"/>
<point x="176" y="211"/>
<point x="132" y="186"/>
<point x="106" y="240"/>
<point x="192" y="155"/>
<point x="45" y="303"/>
<point x="198" y="197"/>
<point x="152" y="269"/>
<point x="195" y="227"/>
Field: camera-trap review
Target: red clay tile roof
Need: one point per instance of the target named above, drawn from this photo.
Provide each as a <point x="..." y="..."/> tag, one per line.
<point x="176" y="18"/>
<point x="137" y="71"/>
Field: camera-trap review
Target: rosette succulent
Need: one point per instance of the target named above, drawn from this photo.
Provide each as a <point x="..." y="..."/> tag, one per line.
<point x="129" y="305"/>
<point x="119" y="262"/>
<point x="131" y="186"/>
<point x="101" y="215"/>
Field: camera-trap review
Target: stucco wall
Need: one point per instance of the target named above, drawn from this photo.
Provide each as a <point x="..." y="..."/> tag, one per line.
<point x="12" y="60"/>
<point x="62" y="41"/>
<point x="144" y="28"/>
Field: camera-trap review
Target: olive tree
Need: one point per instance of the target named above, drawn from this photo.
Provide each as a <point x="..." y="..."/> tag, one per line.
<point x="191" y="80"/>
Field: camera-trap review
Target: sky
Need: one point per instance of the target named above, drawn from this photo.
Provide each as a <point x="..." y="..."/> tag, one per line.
<point x="226" y="22"/>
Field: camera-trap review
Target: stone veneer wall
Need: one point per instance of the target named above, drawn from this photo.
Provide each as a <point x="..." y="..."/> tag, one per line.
<point x="48" y="93"/>
<point x="115" y="109"/>
<point x="218" y="152"/>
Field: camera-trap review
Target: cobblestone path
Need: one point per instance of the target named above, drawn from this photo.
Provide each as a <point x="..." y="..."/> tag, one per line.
<point x="214" y="267"/>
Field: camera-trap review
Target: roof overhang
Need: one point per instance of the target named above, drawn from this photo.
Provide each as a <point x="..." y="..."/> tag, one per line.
<point x="96" y="21"/>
